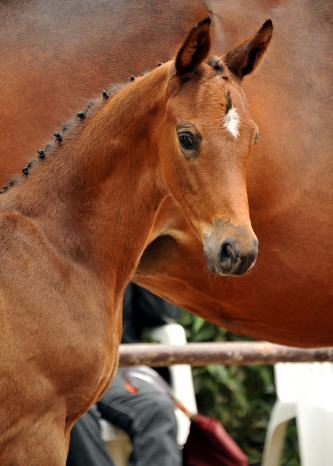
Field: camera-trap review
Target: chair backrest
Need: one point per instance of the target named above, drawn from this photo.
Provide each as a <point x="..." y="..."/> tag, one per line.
<point x="314" y="384"/>
<point x="310" y="384"/>
<point x="310" y="387"/>
<point x="181" y="375"/>
<point x="285" y="383"/>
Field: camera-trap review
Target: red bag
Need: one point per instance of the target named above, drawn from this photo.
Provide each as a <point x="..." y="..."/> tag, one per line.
<point x="208" y="444"/>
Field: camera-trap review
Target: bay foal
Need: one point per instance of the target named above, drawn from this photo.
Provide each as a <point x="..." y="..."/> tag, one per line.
<point x="74" y="225"/>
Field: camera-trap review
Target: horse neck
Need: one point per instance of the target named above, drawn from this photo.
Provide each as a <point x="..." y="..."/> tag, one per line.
<point x="96" y="197"/>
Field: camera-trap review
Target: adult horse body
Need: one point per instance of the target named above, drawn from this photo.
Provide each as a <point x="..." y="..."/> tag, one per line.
<point x="53" y="54"/>
<point x="287" y="297"/>
<point x="74" y="225"/>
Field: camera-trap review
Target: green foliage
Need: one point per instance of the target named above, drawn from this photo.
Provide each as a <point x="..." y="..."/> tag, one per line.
<point x="240" y="397"/>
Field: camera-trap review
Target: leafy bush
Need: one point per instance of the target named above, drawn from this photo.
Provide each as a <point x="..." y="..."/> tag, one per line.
<point x="240" y="397"/>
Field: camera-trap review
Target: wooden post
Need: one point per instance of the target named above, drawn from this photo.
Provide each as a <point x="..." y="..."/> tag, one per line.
<point x="231" y="353"/>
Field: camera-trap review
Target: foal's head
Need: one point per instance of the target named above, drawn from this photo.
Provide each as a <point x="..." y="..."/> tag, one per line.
<point x="210" y="136"/>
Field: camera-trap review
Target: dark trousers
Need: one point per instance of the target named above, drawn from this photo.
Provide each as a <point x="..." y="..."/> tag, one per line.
<point x="86" y="446"/>
<point x="148" y="418"/>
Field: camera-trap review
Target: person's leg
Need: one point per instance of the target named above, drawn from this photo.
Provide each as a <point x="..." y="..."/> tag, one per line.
<point x="149" y="419"/>
<point x="86" y="447"/>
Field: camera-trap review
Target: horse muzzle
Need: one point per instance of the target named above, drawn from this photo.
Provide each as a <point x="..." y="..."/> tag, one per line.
<point x="230" y="250"/>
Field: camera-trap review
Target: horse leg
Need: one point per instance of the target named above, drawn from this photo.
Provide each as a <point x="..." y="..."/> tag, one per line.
<point x="41" y="444"/>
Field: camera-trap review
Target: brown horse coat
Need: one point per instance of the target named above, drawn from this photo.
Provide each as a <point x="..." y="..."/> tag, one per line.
<point x="75" y="223"/>
<point x="287" y="297"/>
<point x="55" y="54"/>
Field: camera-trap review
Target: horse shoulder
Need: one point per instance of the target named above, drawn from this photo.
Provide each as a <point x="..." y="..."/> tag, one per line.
<point x="50" y="332"/>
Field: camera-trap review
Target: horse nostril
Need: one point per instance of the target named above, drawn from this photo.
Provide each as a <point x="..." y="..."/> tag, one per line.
<point x="227" y="255"/>
<point x="228" y="251"/>
<point x="233" y="256"/>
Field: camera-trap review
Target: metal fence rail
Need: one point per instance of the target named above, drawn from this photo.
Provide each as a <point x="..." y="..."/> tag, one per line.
<point x="231" y="353"/>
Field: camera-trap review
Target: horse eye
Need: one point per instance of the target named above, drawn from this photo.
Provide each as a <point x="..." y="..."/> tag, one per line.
<point x="187" y="140"/>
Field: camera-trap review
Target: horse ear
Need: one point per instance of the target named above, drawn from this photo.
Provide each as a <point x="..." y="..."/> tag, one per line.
<point x="194" y="50"/>
<point x="246" y="56"/>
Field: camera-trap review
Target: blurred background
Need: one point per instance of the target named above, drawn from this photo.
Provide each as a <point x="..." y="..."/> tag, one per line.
<point x="240" y="397"/>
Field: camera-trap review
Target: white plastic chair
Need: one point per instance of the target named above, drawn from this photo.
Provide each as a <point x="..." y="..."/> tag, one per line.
<point x="182" y="384"/>
<point x="305" y="392"/>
